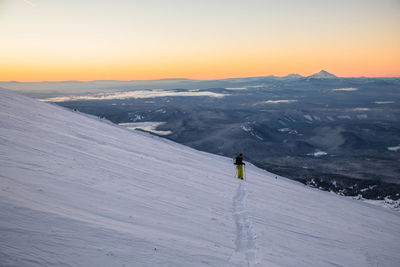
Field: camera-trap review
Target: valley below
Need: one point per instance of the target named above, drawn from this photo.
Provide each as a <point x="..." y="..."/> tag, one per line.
<point x="336" y="134"/>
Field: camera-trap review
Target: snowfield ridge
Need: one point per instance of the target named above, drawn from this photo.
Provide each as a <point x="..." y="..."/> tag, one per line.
<point x="76" y="190"/>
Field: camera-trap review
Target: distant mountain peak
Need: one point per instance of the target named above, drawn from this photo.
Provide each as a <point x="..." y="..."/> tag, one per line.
<point x="293" y="76"/>
<point x="323" y="74"/>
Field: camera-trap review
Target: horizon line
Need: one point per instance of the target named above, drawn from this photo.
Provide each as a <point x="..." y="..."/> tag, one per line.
<point x="189" y="79"/>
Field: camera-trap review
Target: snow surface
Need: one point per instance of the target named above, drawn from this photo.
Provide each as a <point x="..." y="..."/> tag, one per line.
<point x="235" y="88"/>
<point x="246" y="128"/>
<point x="362" y="116"/>
<point x="344" y="117"/>
<point x="387" y="203"/>
<point x="250" y="130"/>
<point x="318" y="154"/>
<point x="288" y="130"/>
<point x="308" y="117"/>
<point x="361" y="109"/>
<point x="349" y="89"/>
<point x="279" y="101"/>
<point x="394" y="148"/>
<point x="79" y="191"/>
<point x="384" y="102"/>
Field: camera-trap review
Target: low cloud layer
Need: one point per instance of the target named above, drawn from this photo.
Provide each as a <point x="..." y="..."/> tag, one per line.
<point x="149" y="126"/>
<point x="384" y="102"/>
<point x="349" y="89"/>
<point x="135" y="94"/>
<point x="279" y="101"/>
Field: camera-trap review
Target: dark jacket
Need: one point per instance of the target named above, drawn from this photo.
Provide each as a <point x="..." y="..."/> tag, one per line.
<point x="239" y="160"/>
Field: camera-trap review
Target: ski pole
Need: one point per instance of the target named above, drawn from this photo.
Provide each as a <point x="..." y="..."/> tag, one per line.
<point x="234" y="169"/>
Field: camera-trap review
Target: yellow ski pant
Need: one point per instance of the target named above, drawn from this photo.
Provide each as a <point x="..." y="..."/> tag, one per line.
<point x="239" y="171"/>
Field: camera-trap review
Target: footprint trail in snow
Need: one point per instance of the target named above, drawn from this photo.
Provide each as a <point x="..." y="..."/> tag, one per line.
<point x="246" y="247"/>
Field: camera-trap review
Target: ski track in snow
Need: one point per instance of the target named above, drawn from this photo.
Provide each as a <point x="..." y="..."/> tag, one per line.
<point x="246" y="248"/>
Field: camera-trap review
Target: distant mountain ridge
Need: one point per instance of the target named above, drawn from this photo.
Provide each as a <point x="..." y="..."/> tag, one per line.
<point x="293" y="76"/>
<point x="323" y="74"/>
<point x="62" y="88"/>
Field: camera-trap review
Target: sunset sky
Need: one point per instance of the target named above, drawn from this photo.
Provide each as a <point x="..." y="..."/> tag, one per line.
<point x="56" y="40"/>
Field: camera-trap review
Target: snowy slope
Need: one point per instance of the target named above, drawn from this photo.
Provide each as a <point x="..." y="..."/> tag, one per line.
<point x="79" y="191"/>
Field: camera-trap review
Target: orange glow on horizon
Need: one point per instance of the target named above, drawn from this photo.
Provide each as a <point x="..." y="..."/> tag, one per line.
<point x="149" y="40"/>
<point x="16" y="72"/>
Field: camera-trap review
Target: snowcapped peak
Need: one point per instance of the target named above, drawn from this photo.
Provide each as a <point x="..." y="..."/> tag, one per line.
<point x="322" y="75"/>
